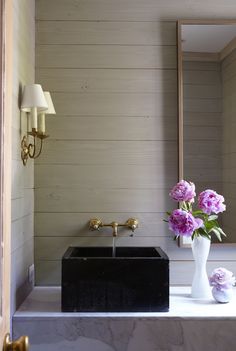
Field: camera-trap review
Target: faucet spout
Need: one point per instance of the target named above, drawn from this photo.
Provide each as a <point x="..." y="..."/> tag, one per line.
<point x="115" y="228"/>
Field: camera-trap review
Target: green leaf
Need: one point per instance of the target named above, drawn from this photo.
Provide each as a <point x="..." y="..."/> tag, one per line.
<point x="204" y="233"/>
<point x="217" y="233"/>
<point x="212" y="217"/>
<point x="211" y="224"/>
<point x="168" y="213"/>
<point x="207" y="236"/>
<point x="221" y="231"/>
<point x="198" y="212"/>
<point x="165" y="220"/>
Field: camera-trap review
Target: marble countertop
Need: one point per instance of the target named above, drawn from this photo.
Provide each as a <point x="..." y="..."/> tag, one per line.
<point x="46" y="302"/>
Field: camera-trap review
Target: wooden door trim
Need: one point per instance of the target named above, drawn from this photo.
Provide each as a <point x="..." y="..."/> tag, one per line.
<point x="5" y="158"/>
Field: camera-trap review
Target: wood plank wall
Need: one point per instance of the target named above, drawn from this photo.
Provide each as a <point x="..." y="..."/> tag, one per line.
<point x="22" y="250"/>
<point x="229" y="146"/>
<point x="112" y="152"/>
<point x="203" y="124"/>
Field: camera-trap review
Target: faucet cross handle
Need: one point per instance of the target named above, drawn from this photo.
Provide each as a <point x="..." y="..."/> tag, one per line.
<point x="95" y="224"/>
<point x="132" y="223"/>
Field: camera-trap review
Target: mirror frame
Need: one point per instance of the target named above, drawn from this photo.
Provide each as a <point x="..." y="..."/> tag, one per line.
<point x="183" y="241"/>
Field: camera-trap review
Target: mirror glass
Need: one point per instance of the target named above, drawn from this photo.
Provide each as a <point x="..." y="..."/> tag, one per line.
<point x="207" y="111"/>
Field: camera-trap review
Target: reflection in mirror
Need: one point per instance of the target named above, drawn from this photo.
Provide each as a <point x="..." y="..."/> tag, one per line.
<point x="207" y="111"/>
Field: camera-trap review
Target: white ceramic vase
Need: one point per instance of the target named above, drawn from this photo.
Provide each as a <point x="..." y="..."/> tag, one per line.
<point x="200" y="285"/>
<point x="222" y="296"/>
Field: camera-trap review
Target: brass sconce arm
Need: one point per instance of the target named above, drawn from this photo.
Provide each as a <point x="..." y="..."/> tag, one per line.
<point x="29" y="150"/>
<point x="96" y="224"/>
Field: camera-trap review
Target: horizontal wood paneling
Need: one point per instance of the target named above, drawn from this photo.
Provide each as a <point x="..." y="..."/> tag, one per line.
<point x="53" y="248"/>
<point x="229" y="144"/>
<point x="109" y="152"/>
<point x="202" y="92"/>
<point x="22" y="231"/>
<point x="229" y="71"/>
<point x="105" y="176"/>
<point x="21" y="259"/>
<point x="115" y="128"/>
<point x="22" y="178"/>
<point x="202" y="139"/>
<point x="108" y="33"/>
<point x="76" y="224"/>
<point x="118" y="104"/>
<point x="211" y="149"/>
<point x="201" y="72"/>
<point x="105" y="56"/>
<point x="204" y="119"/>
<point x="207" y="161"/>
<point x="230" y="84"/>
<point x="200" y="133"/>
<point x="113" y="141"/>
<point x="108" y="80"/>
<point x="54" y="251"/>
<point x="111" y="69"/>
<point x="181" y="272"/>
<point x="228" y="60"/>
<point x="101" y="200"/>
<point x="230" y="177"/>
<point x="132" y="10"/>
<point x="209" y="176"/>
<point x="53" y="276"/>
<point x="203" y="105"/>
<point x="22" y="204"/>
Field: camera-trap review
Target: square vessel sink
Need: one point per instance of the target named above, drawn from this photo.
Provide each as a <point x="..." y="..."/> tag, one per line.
<point x="135" y="280"/>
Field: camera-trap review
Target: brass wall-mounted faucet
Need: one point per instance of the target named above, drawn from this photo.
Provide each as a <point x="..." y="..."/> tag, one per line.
<point x="96" y="224"/>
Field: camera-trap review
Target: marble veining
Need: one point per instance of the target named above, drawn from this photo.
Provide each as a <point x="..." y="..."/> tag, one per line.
<point x="190" y="325"/>
<point x="46" y="302"/>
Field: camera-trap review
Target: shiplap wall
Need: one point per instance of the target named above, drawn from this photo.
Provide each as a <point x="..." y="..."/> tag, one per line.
<point x="229" y="144"/>
<point x="203" y="124"/>
<point x="112" y="152"/>
<point x="22" y="251"/>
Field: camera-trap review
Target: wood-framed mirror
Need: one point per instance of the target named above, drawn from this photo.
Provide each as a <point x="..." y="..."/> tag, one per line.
<point x="207" y="112"/>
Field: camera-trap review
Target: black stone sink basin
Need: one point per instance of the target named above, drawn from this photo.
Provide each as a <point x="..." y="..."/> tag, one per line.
<point x="135" y="280"/>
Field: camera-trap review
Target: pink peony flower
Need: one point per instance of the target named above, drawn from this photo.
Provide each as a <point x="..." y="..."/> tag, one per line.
<point x="183" y="223"/>
<point x="211" y="202"/>
<point x="183" y="191"/>
<point x="222" y="279"/>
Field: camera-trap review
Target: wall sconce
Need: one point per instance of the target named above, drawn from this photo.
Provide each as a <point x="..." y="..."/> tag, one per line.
<point x="36" y="103"/>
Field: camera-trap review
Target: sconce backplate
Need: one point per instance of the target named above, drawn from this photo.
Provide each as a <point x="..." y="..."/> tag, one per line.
<point x="25" y="150"/>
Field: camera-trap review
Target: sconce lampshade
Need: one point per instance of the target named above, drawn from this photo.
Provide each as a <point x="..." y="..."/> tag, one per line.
<point x="33" y="97"/>
<point x="50" y="110"/>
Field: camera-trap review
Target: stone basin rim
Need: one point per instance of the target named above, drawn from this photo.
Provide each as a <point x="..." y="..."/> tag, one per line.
<point x="122" y="252"/>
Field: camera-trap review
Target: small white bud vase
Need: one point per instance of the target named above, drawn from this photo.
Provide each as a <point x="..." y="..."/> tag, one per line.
<point x="223" y="295"/>
<point x="200" y="285"/>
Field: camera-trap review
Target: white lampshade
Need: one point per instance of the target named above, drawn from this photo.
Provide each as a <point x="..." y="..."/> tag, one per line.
<point x="50" y="110"/>
<point x="33" y="96"/>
